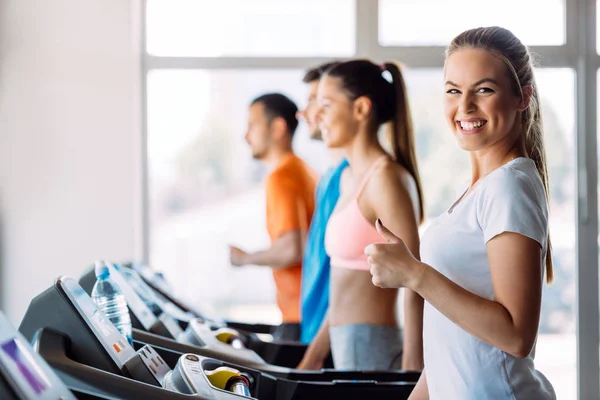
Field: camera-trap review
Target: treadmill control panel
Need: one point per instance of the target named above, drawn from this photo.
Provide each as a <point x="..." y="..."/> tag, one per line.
<point x="27" y="373"/>
<point x="112" y="340"/>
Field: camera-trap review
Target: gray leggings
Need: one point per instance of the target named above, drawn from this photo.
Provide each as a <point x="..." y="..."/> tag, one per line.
<point x="366" y="347"/>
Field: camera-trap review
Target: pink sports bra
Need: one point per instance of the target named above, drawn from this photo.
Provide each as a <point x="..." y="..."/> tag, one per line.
<point x="349" y="232"/>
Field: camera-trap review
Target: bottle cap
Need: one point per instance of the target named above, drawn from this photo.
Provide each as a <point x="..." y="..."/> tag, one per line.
<point x="102" y="271"/>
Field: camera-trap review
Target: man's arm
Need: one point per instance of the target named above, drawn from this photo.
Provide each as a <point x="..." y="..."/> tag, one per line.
<point x="286" y="250"/>
<point x="287" y="225"/>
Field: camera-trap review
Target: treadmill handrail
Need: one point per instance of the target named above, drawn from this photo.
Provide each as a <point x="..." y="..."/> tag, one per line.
<point x="52" y="345"/>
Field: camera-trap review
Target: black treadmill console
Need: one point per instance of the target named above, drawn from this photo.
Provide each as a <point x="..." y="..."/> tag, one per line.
<point x="139" y="365"/>
<point x="65" y="308"/>
<point x="142" y="316"/>
<point x="108" y="336"/>
<point x="88" y="352"/>
<point x="25" y="375"/>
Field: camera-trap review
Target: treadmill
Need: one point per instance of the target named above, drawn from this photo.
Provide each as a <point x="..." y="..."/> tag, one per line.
<point x="202" y="337"/>
<point x="81" y="344"/>
<point x="283" y="353"/>
<point x="24" y="375"/>
<point x="157" y="281"/>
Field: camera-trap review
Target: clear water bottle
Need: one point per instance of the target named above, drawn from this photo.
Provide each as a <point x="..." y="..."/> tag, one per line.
<point x="110" y="300"/>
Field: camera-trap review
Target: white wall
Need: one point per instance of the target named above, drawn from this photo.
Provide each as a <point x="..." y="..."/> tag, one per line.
<point x="69" y="76"/>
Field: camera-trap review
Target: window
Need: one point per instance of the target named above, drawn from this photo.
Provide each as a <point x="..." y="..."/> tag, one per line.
<point x="281" y="28"/>
<point x="556" y="346"/>
<point x="205" y="188"/>
<point x="412" y="22"/>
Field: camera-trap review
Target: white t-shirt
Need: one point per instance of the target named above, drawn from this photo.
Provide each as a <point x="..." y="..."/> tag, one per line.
<point x="458" y="365"/>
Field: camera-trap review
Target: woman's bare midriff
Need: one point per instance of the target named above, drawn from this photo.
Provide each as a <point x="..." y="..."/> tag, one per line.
<point x="353" y="299"/>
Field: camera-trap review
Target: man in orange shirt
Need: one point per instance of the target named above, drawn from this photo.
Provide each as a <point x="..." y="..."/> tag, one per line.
<point x="290" y="204"/>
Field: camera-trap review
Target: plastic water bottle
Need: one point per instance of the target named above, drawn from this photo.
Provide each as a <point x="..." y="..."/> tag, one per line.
<point x="110" y="300"/>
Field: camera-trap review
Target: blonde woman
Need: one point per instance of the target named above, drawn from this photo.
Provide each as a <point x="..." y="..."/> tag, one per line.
<point x="483" y="261"/>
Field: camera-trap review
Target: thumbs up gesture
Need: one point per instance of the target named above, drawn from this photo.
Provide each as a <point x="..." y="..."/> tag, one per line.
<point x="392" y="263"/>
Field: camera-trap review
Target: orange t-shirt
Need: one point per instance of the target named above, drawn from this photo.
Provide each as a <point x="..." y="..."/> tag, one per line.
<point x="290" y="206"/>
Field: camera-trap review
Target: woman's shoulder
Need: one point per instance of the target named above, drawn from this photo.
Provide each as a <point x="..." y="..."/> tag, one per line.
<point x="517" y="185"/>
<point x="391" y="176"/>
<point x="389" y="171"/>
<point x="518" y="175"/>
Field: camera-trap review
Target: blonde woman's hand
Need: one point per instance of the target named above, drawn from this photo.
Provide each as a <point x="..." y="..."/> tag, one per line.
<point x="392" y="264"/>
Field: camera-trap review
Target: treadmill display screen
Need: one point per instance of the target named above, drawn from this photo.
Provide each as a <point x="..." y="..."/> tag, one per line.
<point x="112" y="341"/>
<point x="15" y="353"/>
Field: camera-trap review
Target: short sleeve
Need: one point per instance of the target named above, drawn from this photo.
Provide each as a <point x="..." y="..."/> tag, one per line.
<point x="514" y="201"/>
<point x="284" y="206"/>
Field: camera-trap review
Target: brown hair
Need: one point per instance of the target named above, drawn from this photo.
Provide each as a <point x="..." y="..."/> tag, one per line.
<point x="390" y="104"/>
<point x="504" y="45"/>
<point x="278" y="105"/>
<point x="315" y="74"/>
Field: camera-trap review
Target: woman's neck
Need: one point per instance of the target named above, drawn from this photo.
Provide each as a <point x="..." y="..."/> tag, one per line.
<point x="363" y="151"/>
<point x="484" y="161"/>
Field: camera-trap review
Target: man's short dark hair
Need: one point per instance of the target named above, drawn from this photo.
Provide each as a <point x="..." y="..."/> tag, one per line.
<point x="279" y="105"/>
<point x="315" y="74"/>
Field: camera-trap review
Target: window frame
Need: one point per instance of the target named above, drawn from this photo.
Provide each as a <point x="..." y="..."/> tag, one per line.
<point x="579" y="52"/>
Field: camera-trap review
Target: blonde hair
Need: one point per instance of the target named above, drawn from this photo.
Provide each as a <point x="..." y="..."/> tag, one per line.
<point x="504" y="45"/>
